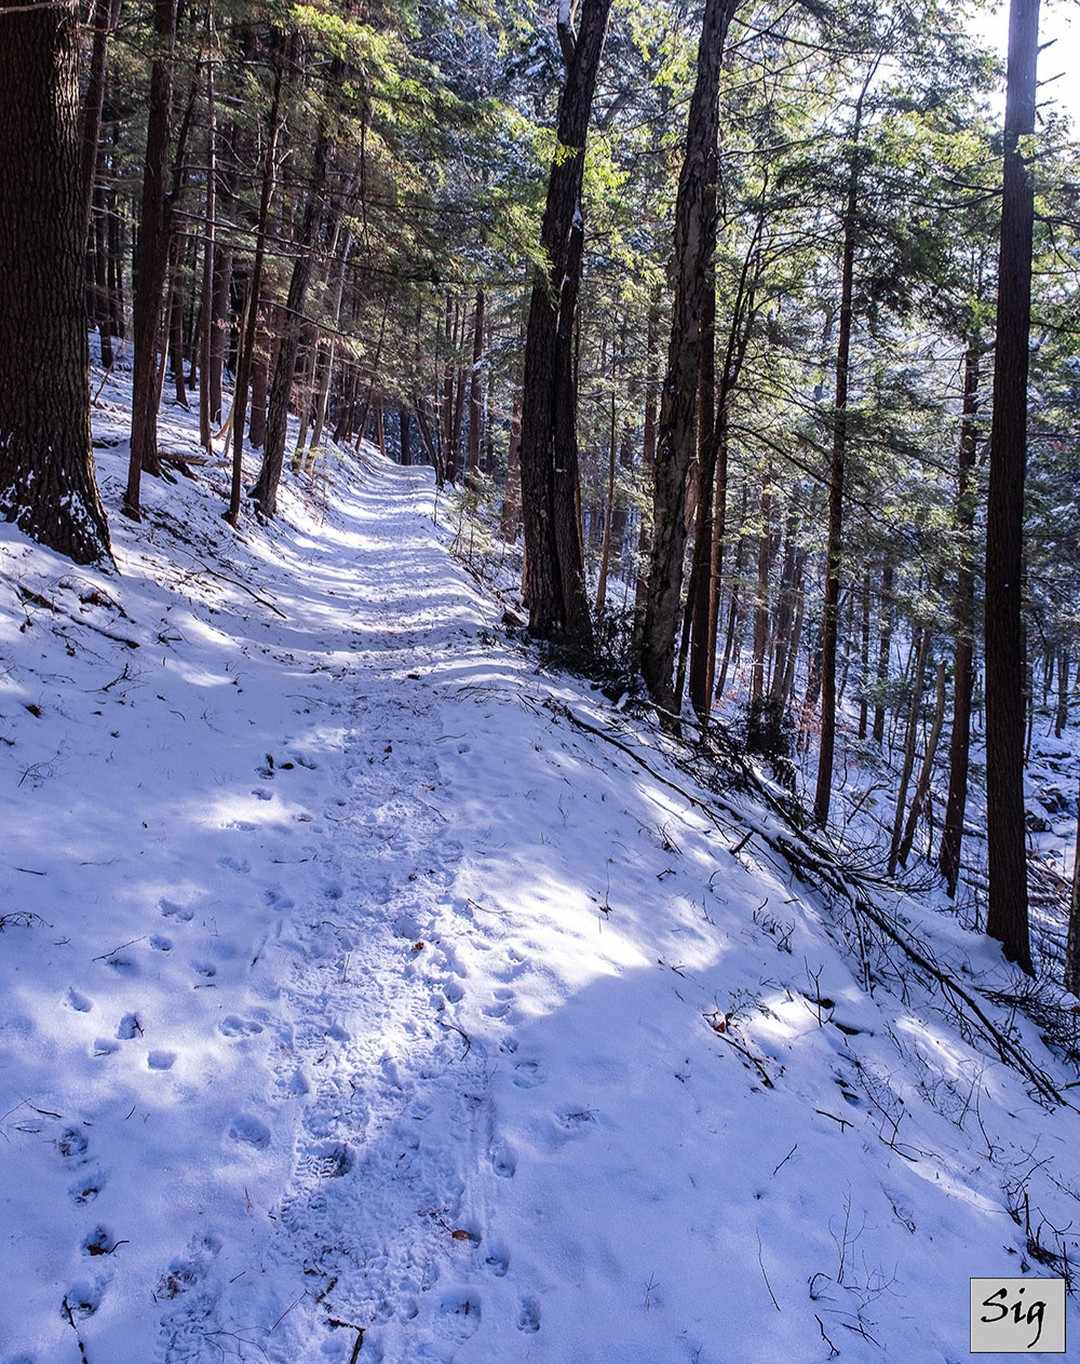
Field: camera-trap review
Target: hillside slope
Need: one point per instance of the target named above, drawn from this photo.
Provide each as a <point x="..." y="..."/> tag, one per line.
<point x="373" y="991"/>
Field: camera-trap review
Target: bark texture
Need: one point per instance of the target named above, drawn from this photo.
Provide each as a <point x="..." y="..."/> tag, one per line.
<point x="1007" y="916"/>
<point x="555" y="586"/>
<point x="47" y="485"/>
<point x="695" y="241"/>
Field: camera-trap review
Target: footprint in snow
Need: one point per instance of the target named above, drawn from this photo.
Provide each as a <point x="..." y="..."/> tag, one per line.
<point x="86" y="1190"/>
<point x="100" y="1242"/>
<point x="82" y="1300"/>
<point x="237" y="864"/>
<point x="528" y="1320"/>
<point x="574" y="1119"/>
<point x="246" y="1130"/>
<point x="128" y="1028"/>
<point x="460" y="1313"/>
<point x="452" y="991"/>
<point x="234" y="1026"/>
<point x="174" y="911"/>
<point x="72" y="1143"/>
<point x="122" y="965"/>
<point x="79" y="1002"/>
<point x="527" y="1074"/>
<point x="185" y="1273"/>
<point x="498" y="1262"/>
<point x="503" y="1161"/>
<point x="160" y="944"/>
<point x="161" y="1060"/>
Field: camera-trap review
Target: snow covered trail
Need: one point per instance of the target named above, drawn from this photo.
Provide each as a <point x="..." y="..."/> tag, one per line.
<point x="238" y="1006"/>
<point x="359" y="1005"/>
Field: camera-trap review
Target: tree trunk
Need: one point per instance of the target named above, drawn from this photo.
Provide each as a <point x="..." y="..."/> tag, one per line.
<point x="47" y="485"/>
<point x="1061" y="712"/>
<point x="1007" y="915"/>
<point x="609" y="507"/>
<point x="952" y="834"/>
<point x="176" y="321"/>
<point x="554" y="553"/>
<point x="97" y="247"/>
<point x="405" y="441"/>
<point x="266" y="487"/>
<point x="648" y="445"/>
<point x="695" y="642"/>
<point x="151" y="260"/>
<point x="837" y="469"/>
<point x="251" y="310"/>
<point x="103" y="20"/>
<point x="922" y="786"/>
<point x="476" y="399"/>
<point x="1072" y="945"/>
<point x="260" y="387"/>
<point x="695" y="242"/>
<point x="209" y="322"/>
<point x="909" y="747"/>
<point x="326" y="372"/>
<point x="510" y="518"/>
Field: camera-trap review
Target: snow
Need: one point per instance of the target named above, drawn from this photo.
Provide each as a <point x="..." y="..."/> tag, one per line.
<point x="362" y="1003"/>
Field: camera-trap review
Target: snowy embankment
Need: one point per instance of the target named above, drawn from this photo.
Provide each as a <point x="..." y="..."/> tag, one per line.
<point x="360" y="1004"/>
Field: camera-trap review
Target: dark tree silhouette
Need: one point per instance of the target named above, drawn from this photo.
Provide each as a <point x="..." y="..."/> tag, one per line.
<point x="1007" y="917"/>
<point x="46" y="462"/>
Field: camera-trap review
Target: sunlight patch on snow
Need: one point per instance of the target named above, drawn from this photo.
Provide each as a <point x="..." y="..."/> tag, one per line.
<point x="948" y="1056"/>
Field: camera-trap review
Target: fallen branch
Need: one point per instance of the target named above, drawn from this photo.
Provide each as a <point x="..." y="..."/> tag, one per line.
<point x="235" y="582"/>
<point x="1010" y="1052"/>
<point x="38" y="600"/>
<point x="812" y="863"/>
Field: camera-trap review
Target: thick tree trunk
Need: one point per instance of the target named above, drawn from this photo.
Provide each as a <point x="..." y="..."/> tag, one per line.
<point x="1007" y="916"/>
<point x="556" y="590"/>
<point x="695" y="241"/>
<point x="47" y="483"/>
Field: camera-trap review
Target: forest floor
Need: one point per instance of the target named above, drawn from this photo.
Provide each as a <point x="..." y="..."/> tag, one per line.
<point x="374" y="991"/>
